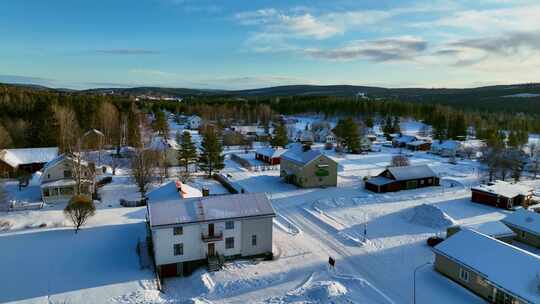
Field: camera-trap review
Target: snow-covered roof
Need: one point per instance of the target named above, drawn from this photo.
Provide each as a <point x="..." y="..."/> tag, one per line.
<point x="405" y="138"/>
<point x="505" y="266"/>
<point x="524" y="220"/>
<point x="165" y="209"/>
<point x="298" y="155"/>
<point x="59" y="183"/>
<point x="447" y="144"/>
<point x="379" y="180"/>
<point x="16" y="157"/>
<point x="271" y="152"/>
<point x="59" y="159"/>
<point x="412" y="172"/>
<point x="503" y="188"/>
<point x="493" y="229"/>
<point x="417" y="143"/>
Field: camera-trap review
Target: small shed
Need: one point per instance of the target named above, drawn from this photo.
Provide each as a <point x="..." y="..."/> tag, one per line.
<point x="402" y="141"/>
<point x="419" y="145"/>
<point x="270" y="156"/>
<point x="502" y="194"/>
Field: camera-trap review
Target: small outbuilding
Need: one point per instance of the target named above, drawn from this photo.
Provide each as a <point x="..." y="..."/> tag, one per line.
<point x="271" y="156"/>
<point x="403" y="178"/>
<point x="526" y="225"/>
<point x="402" y="141"/>
<point x="502" y="194"/>
<point x="27" y="160"/>
<point x="419" y="145"/>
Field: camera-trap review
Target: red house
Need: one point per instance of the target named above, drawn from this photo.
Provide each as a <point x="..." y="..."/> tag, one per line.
<point x="270" y="156"/>
<point x="402" y="178"/>
<point x="25" y="161"/>
<point x="502" y="194"/>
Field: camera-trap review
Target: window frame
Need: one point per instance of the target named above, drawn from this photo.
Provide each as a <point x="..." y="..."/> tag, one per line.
<point x="464" y="275"/>
<point x="253" y="240"/>
<point x="227" y="240"/>
<point x="229" y="225"/>
<point x="178" y="228"/>
<point x="180" y="247"/>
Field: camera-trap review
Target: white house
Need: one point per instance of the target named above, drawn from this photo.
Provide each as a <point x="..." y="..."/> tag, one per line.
<point x="188" y="233"/>
<point x="193" y="122"/>
<point x="59" y="182"/>
<point x="325" y="136"/>
<point x="446" y="148"/>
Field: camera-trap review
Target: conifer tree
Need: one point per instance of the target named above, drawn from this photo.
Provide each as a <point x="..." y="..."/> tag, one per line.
<point x="211" y="158"/>
<point x="280" y="139"/>
<point x="187" y="154"/>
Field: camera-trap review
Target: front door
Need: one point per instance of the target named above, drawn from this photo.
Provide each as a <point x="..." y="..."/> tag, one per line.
<point x="211" y="249"/>
<point x="210" y="229"/>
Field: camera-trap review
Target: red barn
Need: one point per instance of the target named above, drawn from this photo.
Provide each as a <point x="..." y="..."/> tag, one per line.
<point x="270" y="156"/>
<point x="402" y="178"/>
<point x="502" y="194"/>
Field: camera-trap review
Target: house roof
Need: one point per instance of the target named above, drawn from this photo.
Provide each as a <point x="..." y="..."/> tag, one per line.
<point x="411" y="172"/>
<point x="503" y="188"/>
<point x="166" y="208"/>
<point x="60" y="158"/>
<point x="417" y="143"/>
<point x="405" y="138"/>
<point x="447" y="144"/>
<point x="271" y="152"/>
<point x="16" y="157"/>
<point x="524" y="220"/>
<point x="297" y="155"/>
<point x="505" y="266"/>
<point x="380" y="180"/>
<point x="493" y="229"/>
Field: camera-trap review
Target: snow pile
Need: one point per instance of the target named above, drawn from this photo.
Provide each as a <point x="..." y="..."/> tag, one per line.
<point x="430" y="216"/>
<point x="324" y="291"/>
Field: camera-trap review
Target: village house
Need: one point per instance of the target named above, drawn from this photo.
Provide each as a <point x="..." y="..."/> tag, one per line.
<point x="495" y="229"/>
<point x="270" y="156"/>
<point x="401" y="141"/>
<point x="494" y="270"/>
<point x="365" y="144"/>
<point x="168" y="148"/>
<point x="403" y="178"/>
<point x="307" y="168"/>
<point x="25" y="161"/>
<point x="193" y="232"/>
<point x="419" y="145"/>
<point x="325" y="136"/>
<point x="526" y="225"/>
<point x="502" y="194"/>
<point x="193" y="122"/>
<point x="304" y="137"/>
<point x="446" y="148"/>
<point x="59" y="179"/>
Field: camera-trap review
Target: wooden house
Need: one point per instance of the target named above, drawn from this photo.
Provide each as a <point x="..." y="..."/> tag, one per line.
<point x="403" y="178"/>
<point x="308" y="168"/>
<point x="25" y="161"/>
<point x="526" y="225"/>
<point x="502" y="194"/>
<point x="419" y="145"/>
<point x="401" y="141"/>
<point x="494" y="270"/>
<point x="269" y="156"/>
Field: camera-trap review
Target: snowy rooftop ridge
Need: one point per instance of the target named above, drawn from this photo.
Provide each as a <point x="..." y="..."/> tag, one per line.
<point x="516" y="269"/>
<point x="504" y="188"/>
<point x="166" y="208"/>
<point x="412" y="172"/>
<point x="16" y="157"/>
<point x="296" y="154"/>
<point x="524" y="220"/>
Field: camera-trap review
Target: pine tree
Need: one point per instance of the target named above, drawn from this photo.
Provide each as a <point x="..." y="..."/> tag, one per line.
<point x="211" y="158"/>
<point x="396" y="126"/>
<point x="280" y="139"/>
<point x="187" y="154"/>
<point x="369" y="121"/>
<point x="160" y="124"/>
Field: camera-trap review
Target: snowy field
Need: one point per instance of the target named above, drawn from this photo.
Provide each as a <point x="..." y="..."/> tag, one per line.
<point x="377" y="240"/>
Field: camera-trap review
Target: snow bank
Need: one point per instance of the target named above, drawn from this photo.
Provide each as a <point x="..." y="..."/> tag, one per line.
<point x="430" y="216"/>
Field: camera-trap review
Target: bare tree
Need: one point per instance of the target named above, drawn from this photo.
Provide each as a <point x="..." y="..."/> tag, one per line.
<point x="142" y="169"/>
<point x="79" y="209"/>
<point x="68" y="127"/>
<point x="5" y="138"/>
<point x="400" y="161"/>
<point x="109" y="121"/>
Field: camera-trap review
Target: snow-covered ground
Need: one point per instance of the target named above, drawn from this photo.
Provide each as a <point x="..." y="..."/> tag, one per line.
<point x="377" y="240"/>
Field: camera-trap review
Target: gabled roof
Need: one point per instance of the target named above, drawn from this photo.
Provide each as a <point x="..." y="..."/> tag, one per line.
<point x="16" y="157"/>
<point x="59" y="159"/>
<point x="417" y="143"/>
<point x="271" y="152"/>
<point x="505" y="266"/>
<point x="411" y="172"/>
<point x="447" y="144"/>
<point x="297" y="155"/>
<point x="503" y="188"/>
<point x="524" y="220"/>
<point x="404" y="138"/>
<point x="494" y="229"/>
<point x="166" y="209"/>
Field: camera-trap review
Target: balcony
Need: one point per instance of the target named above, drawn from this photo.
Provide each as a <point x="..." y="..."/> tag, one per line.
<point x="212" y="237"/>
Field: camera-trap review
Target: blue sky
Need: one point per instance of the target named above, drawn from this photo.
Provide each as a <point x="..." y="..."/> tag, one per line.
<point x="245" y="44"/>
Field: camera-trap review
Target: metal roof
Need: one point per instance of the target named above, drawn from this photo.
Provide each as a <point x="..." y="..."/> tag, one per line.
<point x="412" y="172"/>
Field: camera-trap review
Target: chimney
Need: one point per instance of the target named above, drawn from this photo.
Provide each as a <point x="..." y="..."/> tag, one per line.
<point x="205" y="191"/>
<point x="306" y="148"/>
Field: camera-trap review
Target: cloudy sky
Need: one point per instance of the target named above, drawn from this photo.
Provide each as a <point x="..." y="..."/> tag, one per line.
<point x="235" y="44"/>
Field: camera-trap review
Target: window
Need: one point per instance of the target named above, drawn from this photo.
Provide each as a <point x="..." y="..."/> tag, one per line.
<point x="430" y="181"/>
<point x="66" y="191"/>
<point x="254" y="240"/>
<point x="229" y="243"/>
<point x="46" y="192"/>
<point x="67" y="173"/>
<point x="421" y="182"/>
<point x="229" y="225"/>
<point x="179" y="249"/>
<point x="522" y="234"/>
<point x="464" y="275"/>
<point x="178" y="230"/>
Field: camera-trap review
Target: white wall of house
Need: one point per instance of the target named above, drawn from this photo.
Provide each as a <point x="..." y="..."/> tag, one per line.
<point x="164" y="240"/>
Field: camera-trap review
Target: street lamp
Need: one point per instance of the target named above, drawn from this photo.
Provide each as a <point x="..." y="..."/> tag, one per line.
<point x="414" y="279"/>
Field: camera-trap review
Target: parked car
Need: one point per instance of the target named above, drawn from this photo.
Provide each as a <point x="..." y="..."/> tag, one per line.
<point x="433" y="241"/>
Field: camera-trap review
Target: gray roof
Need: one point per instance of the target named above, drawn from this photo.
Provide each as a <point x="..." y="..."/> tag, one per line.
<point x="169" y="209"/>
<point x="271" y="152"/>
<point x="504" y="188"/>
<point x="515" y="269"/>
<point x="16" y="157"/>
<point x="297" y="155"/>
<point x="412" y="172"/>
<point x="524" y="220"/>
